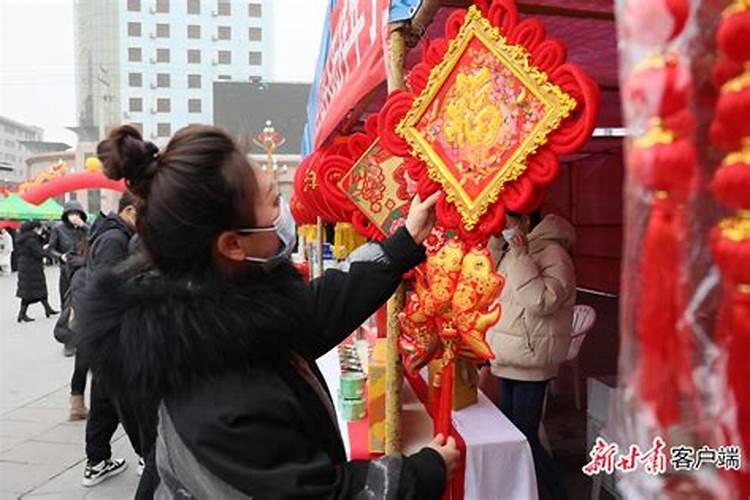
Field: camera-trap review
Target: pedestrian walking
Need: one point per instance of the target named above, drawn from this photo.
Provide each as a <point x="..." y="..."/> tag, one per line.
<point x="224" y="331"/>
<point x="108" y="247"/>
<point x="32" y="283"/>
<point x="67" y="242"/>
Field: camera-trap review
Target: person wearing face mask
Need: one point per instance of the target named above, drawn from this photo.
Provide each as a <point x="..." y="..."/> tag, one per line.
<point x="67" y="243"/>
<point x="218" y="326"/>
<point x="533" y="334"/>
<point x="32" y="283"/>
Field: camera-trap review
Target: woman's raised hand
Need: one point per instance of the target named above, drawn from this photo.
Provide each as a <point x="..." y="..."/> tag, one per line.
<point x="421" y="217"/>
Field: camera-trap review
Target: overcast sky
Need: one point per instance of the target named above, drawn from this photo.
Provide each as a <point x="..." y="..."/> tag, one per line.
<point x="37" y="80"/>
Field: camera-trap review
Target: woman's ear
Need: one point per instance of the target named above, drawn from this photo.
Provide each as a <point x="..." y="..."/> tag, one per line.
<point x="229" y="246"/>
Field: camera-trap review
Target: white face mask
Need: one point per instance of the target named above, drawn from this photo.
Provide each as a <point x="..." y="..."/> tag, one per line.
<point x="284" y="227"/>
<point x="510" y="233"/>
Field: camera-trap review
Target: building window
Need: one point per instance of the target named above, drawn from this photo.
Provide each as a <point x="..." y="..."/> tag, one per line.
<point x="224" y="8"/>
<point x="162" y="31"/>
<point x="163" y="80"/>
<point x="163" y="105"/>
<point x="162" y="6"/>
<point x="138" y="126"/>
<point x="194" y="6"/>
<point x="163" y="129"/>
<point x="194" y="31"/>
<point x="224" y="77"/>
<point x="225" y="33"/>
<point x="162" y="55"/>
<point x="134" y="5"/>
<point x="194" y="106"/>
<point x="255" y="58"/>
<point x="255" y="34"/>
<point x="194" y="81"/>
<point x="135" y="54"/>
<point x="73" y="195"/>
<point x="194" y="56"/>
<point x="225" y="57"/>
<point x="135" y="80"/>
<point x="135" y="104"/>
<point x="254" y="10"/>
<point x="134" y="29"/>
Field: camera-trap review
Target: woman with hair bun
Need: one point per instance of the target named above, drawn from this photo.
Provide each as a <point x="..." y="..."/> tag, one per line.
<point x="219" y="327"/>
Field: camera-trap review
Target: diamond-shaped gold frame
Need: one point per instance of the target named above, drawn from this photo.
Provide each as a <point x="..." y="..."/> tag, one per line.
<point x="558" y="106"/>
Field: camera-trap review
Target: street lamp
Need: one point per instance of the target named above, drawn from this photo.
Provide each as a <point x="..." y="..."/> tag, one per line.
<point x="270" y="140"/>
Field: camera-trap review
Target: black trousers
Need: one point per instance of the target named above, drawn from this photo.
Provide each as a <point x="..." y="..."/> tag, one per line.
<point x="138" y="420"/>
<point x="26" y="303"/>
<point x="80" y="371"/>
<point x="522" y="402"/>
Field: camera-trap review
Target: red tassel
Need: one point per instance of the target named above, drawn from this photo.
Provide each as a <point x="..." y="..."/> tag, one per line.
<point x="657" y="320"/>
<point x="445" y="401"/>
<point x="731" y="247"/>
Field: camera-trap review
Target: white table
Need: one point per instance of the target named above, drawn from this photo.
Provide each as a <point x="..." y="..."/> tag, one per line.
<point x="499" y="465"/>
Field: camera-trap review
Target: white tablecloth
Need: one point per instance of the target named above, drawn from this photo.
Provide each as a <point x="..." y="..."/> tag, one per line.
<point x="499" y="465"/>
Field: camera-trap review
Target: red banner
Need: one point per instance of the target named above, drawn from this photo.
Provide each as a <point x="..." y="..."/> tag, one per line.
<point x="354" y="65"/>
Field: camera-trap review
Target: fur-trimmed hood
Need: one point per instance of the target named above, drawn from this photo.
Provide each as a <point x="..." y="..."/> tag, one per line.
<point x="153" y="336"/>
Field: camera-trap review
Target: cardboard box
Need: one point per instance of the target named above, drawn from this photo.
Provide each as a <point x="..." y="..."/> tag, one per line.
<point x="376" y="397"/>
<point x="465" y="383"/>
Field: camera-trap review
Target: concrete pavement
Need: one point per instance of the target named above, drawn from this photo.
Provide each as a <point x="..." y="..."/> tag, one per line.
<point x="41" y="453"/>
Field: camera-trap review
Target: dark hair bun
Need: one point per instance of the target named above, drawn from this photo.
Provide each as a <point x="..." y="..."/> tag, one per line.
<point x="125" y="155"/>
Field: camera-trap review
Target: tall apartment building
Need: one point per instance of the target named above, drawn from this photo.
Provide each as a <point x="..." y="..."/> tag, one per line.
<point x="153" y="63"/>
<point x="13" y="151"/>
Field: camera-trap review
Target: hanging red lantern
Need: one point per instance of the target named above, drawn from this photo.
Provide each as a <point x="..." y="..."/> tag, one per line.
<point x="655" y="22"/>
<point x="731" y="183"/>
<point x="731" y="36"/>
<point x="660" y="85"/>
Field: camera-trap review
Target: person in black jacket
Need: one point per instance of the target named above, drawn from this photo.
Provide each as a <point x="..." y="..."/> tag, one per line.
<point x="67" y="242"/>
<point x="109" y="246"/>
<point x="32" y="283"/>
<point x="220" y="327"/>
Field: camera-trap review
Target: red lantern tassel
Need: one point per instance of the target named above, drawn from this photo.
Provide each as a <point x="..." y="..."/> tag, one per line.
<point x="445" y="401"/>
<point x="657" y="321"/>
<point x="738" y="374"/>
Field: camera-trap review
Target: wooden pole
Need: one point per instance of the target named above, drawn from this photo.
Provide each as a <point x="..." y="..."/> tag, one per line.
<point x="394" y="375"/>
<point x="397" y="57"/>
<point x="319" y="245"/>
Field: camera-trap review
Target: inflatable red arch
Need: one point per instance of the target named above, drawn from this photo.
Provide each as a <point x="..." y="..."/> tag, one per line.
<point x="68" y="183"/>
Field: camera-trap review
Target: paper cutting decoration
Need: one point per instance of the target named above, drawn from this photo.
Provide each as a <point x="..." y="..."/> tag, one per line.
<point x="376" y="184"/>
<point x="490" y="108"/>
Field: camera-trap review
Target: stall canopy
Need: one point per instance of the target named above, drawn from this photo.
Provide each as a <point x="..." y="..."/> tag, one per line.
<point x="14" y="207"/>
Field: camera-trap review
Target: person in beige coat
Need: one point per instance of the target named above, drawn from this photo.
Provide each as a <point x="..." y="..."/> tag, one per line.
<point x="533" y="334"/>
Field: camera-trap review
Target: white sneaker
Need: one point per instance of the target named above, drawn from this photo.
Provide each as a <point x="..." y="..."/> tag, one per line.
<point x="141" y="466"/>
<point x="95" y="474"/>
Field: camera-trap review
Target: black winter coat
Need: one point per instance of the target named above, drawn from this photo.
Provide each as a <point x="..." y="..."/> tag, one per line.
<point x="32" y="283"/>
<point x="234" y="365"/>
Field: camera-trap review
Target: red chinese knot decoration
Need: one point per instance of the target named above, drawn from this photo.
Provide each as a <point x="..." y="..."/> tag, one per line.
<point x="491" y="107"/>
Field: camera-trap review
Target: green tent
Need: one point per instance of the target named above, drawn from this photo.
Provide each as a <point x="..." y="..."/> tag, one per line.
<point x="51" y="209"/>
<point x="16" y="208"/>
